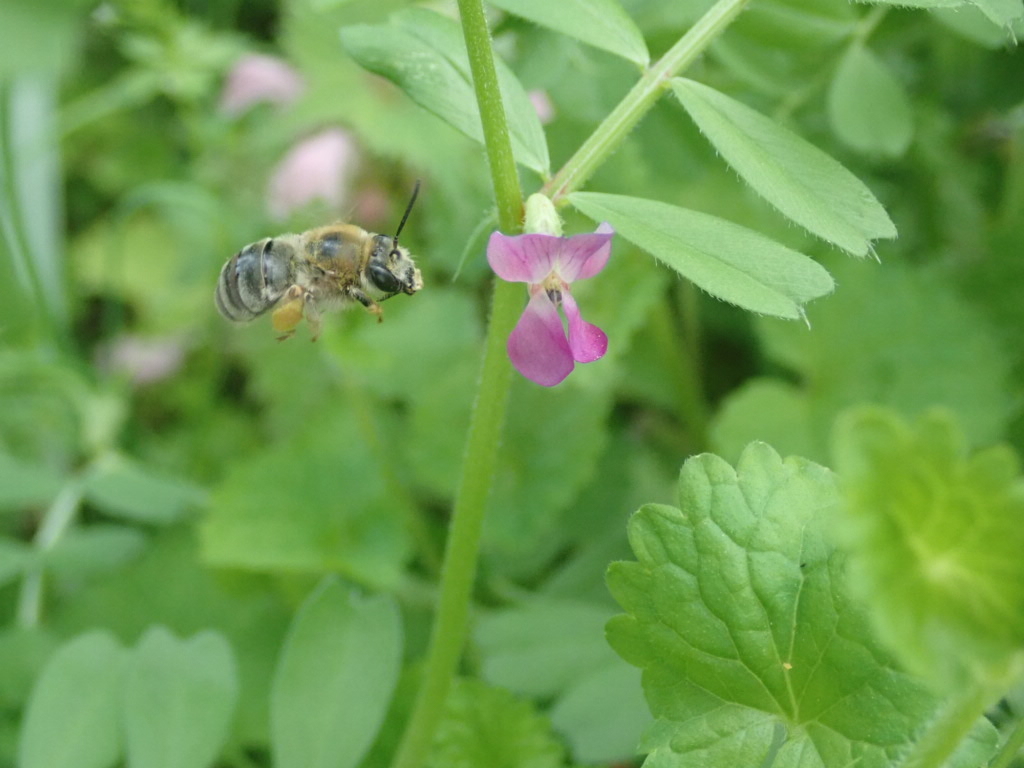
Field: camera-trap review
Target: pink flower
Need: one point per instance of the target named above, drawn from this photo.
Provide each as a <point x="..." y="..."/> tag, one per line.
<point x="542" y="104"/>
<point x="255" y="78"/>
<point x="317" y="168"/>
<point x="539" y="347"/>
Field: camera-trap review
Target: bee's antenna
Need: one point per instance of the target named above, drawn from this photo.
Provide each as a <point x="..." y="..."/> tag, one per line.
<point x="405" y="216"/>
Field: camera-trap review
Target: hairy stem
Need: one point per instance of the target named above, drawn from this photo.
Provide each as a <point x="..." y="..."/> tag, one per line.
<point x="448" y="636"/>
<point x="614" y="128"/>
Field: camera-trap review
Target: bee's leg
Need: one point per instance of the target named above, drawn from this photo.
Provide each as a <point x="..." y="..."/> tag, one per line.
<point x="289" y="312"/>
<point x="312" y="316"/>
<point x="371" y="306"/>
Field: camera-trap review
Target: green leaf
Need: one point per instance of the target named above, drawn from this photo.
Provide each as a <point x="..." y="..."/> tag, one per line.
<point x="15" y="556"/>
<point x="97" y="548"/>
<point x="768" y="410"/>
<point x="539" y="649"/>
<point x="728" y="261"/>
<point x="1001" y="12"/>
<point x="738" y="613"/>
<point x="124" y="488"/>
<point x="26" y="484"/>
<point x="601" y="23"/>
<point x="73" y="717"/>
<point x="334" y="681"/>
<point x="179" y="699"/>
<point x="424" y="54"/>
<point x="486" y="726"/>
<point x="893" y="335"/>
<point x="936" y="538"/>
<point x="970" y="23"/>
<point x="318" y="501"/>
<point x="602" y="714"/>
<point x="800" y="180"/>
<point x="550" y="447"/>
<point x="867" y="106"/>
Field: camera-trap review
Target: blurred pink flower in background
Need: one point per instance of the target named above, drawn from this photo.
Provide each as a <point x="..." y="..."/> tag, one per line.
<point x="542" y="104"/>
<point x="256" y="78"/>
<point x="142" y="359"/>
<point x="320" y="167"/>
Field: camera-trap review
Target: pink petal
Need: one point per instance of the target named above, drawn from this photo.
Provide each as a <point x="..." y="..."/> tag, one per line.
<point x="319" y="167"/>
<point x="537" y="347"/>
<point x="522" y="258"/>
<point x="542" y="104"/>
<point x="587" y="342"/>
<point x="583" y="256"/>
<point x="255" y="78"/>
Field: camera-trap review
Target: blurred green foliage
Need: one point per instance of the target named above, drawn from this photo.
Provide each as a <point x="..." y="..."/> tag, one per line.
<point x="161" y="467"/>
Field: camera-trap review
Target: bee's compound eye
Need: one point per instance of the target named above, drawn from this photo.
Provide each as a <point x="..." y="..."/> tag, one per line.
<point x="384" y="279"/>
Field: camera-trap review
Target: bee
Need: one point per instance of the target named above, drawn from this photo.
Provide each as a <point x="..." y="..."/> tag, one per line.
<point x="322" y="269"/>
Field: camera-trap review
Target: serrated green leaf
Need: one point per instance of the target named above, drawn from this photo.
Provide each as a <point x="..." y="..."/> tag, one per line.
<point x="179" y="699"/>
<point x="600" y="23"/>
<point x="1000" y="12"/>
<point x="728" y="261"/>
<point x="802" y="182"/>
<point x="867" y="106"/>
<point x="124" y="488"/>
<point x="936" y="540"/>
<point x="485" y="726"/>
<point x="738" y="615"/>
<point x="73" y="717"/>
<point x="424" y="54"/>
<point x="335" y="678"/>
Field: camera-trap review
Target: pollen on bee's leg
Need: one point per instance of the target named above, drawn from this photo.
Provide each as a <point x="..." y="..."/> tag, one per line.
<point x="288" y="316"/>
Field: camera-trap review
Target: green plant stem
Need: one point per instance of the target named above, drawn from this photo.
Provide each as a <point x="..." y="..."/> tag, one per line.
<point x="949" y="727"/>
<point x="56" y="520"/>
<point x="614" y="128"/>
<point x="458" y="571"/>
<point x="1010" y="747"/>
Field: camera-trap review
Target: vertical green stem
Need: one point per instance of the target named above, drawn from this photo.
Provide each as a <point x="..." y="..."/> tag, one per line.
<point x="56" y="521"/>
<point x="459" y="568"/>
<point x="614" y="128"/>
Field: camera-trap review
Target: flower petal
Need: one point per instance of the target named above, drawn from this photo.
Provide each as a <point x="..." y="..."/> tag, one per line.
<point x="255" y="78"/>
<point x="320" y="167"/>
<point x="522" y="258"/>
<point x="587" y="342"/>
<point x="537" y="347"/>
<point x="583" y="256"/>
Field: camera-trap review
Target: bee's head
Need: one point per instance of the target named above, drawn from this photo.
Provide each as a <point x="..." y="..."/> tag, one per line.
<point x="391" y="267"/>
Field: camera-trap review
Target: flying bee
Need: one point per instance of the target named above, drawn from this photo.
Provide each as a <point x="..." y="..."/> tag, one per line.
<point x="319" y="270"/>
